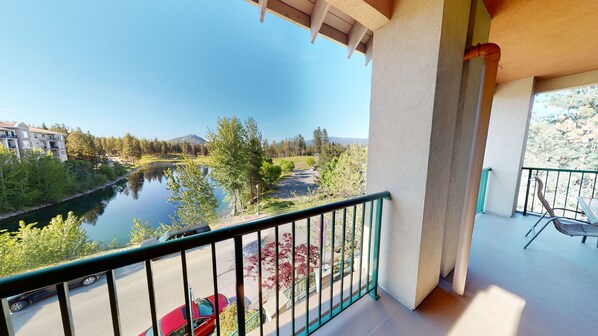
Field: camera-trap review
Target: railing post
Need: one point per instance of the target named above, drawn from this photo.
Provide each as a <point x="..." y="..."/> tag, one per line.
<point x="374" y="292"/>
<point x="62" y="290"/>
<point x="240" y="285"/>
<point x="529" y="172"/>
<point x="5" y="319"/>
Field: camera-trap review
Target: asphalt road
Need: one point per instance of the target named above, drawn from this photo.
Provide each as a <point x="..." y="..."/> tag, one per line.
<point x="91" y="308"/>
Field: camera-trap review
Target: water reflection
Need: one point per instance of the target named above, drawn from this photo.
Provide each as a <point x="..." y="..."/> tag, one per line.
<point x="108" y="213"/>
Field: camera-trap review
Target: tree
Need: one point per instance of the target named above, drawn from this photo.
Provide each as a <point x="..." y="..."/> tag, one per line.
<point x="255" y="157"/>
<point x="317" y="141"/>
<point x="82" y="146"/>
<point x="131" y="149"/>
<point x="565" y="133"/>
<point x="324" y="137"/>
<point x="345" y="176"/>
<point x="229" y="158"/>
<point x="193" y="195"/>
<point x="285" y="259"/>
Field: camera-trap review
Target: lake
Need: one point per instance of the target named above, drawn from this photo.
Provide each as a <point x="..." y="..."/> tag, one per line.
<point x="108" y="213"/>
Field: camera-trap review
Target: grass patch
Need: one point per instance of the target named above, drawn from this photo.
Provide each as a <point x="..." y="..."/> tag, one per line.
<point x="300" y="161"/>
<point x="172" y="158"/>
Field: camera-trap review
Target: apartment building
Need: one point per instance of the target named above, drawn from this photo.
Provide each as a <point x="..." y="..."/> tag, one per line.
<point x="20" y="137"/>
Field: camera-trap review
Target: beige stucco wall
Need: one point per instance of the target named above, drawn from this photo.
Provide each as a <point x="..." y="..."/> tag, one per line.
<point x="505" y="148"/>
<point x="559" y="83"/>
<point x="463" y="139"/>
<point x="416" y="78"/>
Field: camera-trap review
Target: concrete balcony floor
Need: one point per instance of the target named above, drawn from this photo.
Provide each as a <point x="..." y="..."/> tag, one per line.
<point x="549" y="289"/>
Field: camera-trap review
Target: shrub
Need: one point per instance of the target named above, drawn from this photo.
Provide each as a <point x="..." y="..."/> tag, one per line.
<point x="287" y="166"/>
<point x="270" y="172"/>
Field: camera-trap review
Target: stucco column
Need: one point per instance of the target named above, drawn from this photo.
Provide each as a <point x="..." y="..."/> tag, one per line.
<point x="507" y="138"/>
<point x="416" y="78"/>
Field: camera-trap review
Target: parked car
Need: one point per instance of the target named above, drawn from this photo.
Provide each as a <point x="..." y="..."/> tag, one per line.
<point x="175" y="234"/>
<point x="19" y="302"/>
<point x="204" y="318"/>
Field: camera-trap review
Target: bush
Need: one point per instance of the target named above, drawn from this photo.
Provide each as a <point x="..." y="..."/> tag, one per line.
<point x="310" y="161"/>
<point x="32" y="247"/>
<point x="107" y="171"/>
<point x="287" y="166"/>
<point x="228" y="319"/>
<point x="270" y="172"/>
<point x="141" y="231"/>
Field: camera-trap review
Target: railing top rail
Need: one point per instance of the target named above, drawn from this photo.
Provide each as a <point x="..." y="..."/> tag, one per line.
<point x="562" y="170"/>
<point x="49" y="276"/>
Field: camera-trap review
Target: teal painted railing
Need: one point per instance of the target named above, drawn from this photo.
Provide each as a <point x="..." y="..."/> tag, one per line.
<point x="562" y="187"/>
<point x="348" y="218"/>
<point x="482" y="192"/>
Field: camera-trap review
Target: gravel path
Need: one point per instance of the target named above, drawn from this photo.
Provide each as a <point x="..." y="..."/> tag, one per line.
<point x="300" y="182"/>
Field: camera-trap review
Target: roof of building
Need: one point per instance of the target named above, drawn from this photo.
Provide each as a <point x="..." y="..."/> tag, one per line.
<point x="10" y="126"/>
<point x="41" y="130"/>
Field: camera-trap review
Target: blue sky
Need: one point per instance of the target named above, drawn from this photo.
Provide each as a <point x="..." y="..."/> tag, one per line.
<point x="171" y="68"/>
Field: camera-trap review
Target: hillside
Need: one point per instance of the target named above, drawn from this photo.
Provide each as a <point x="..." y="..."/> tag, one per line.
<point x="191" y="138"/>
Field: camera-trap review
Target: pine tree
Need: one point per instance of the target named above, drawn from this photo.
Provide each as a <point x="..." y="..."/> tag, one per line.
<point x="317" y="141"/>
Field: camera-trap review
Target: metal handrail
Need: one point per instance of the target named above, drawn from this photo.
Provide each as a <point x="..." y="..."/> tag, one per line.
<point x="59" y="275"/>
<point x="586" y="187"/>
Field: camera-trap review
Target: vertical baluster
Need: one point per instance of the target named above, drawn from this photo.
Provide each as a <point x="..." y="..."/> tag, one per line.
<point x="259" y="272"/>
<point x="579" y="194"/>
<point x="594" y="186"/>
<point x="529" y="181"/>
<point x="277" y="283"/>
<point x="152" y="296"/>
<point x="361" y="248"/>
<point x="343" y="257"/>
<point x="352" y="253"/>
<point x="113" y="302"/>
<point x="62" y="290"/>
<point x="241" y="286"/>
<point x="367" y="274"/>
<point x="534" y="193"/>
<point x="187" y="290"/>
<point x="322" y="237"/>
<point x="332" y="262"/>
<point x="293" y="283"/>
<point x="307" y="276"/>
<point x="374" y="292"/>
<point x="6" y="327"/>
<point x="556" y="189"/>
<point x="567" y="193"/>
<point x="215" y="281"/>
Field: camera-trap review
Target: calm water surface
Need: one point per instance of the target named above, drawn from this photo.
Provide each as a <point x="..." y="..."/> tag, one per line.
<point x="108" y="213"/>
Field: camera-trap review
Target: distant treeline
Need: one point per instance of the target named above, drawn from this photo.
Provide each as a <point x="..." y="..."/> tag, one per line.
<point x="85" y="146"/>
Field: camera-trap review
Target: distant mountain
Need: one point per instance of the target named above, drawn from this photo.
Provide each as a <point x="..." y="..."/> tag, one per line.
<point x="343" y="141"/>
<point x="191" y="138"/>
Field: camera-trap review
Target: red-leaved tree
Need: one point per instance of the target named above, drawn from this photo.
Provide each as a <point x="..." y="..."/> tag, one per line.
<point x="285" y="266"/>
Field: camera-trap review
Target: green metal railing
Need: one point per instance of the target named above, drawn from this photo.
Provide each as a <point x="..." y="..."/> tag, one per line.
<point x="482" y="193"/>
<point x="562" y="187"/>
<point x="59" y="275"/>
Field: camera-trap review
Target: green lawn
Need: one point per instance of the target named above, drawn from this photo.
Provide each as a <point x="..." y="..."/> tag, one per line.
<point x="300" y="161"/>
<point x="146" y="159"/>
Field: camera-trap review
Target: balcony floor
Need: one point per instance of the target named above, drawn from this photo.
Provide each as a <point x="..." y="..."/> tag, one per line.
<point x="549" y="289"/>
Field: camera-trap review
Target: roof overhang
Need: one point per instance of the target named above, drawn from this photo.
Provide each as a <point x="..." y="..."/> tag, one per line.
<point x="347" y="22"/>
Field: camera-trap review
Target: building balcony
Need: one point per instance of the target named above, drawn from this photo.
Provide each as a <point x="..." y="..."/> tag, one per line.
<point x="547" y="289"/>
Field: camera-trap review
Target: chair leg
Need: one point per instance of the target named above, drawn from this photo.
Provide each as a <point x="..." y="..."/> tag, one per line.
<point x="535" y="224"/>
<point x="583" y="240"/>
<point x="536" y="235"/>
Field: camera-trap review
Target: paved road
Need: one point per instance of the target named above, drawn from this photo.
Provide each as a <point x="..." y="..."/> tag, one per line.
<point x="91" y="308"/>
<point x="299" y="183"/>
<point x="90" y="305"/>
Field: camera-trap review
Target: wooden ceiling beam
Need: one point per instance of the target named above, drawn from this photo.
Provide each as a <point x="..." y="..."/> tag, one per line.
<point x="355" y="36"/>
<point x="317" y="18"/>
